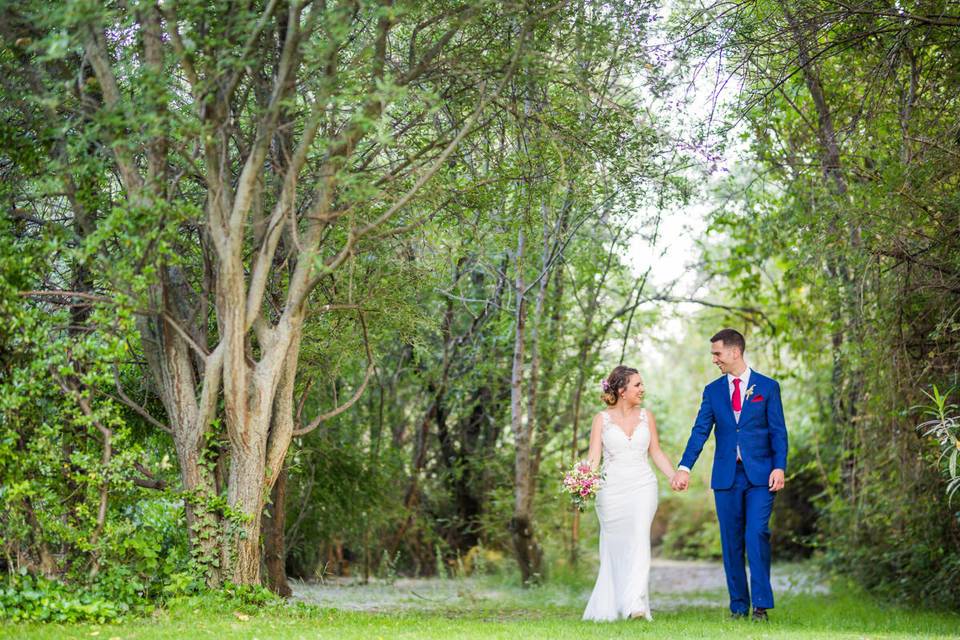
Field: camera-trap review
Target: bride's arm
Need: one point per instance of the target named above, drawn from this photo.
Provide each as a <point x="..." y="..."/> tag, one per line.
<point x="596" y="442"/>
<point x="656" y="453"/>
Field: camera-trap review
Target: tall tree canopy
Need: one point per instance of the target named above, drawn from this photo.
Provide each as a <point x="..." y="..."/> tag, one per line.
<point x="843" y="223"/>
<point x="219" y="191"/>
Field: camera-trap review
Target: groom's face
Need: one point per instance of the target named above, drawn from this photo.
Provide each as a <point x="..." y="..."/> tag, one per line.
<point x="725" y="357"/>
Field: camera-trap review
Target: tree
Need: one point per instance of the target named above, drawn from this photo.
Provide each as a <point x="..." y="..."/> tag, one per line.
<point x="255" y="153"/>
<point x="828" y="224"/>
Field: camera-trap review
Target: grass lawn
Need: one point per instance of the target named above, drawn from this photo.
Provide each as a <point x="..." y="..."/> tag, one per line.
<point x="522" y="614"/>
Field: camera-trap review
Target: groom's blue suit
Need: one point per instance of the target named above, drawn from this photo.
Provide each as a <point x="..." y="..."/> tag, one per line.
<point x="744" y="500"/>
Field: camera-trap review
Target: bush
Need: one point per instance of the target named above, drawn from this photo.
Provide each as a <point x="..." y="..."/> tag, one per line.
<point x="482" y="561"/>
<point x="795" y="515"/>
<point x="692" y="530"/>
<point x="24" y="598"/>
<point x="247" y="597"/>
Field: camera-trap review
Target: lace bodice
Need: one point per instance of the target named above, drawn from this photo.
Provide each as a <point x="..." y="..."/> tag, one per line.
<point x="618" y="448"/>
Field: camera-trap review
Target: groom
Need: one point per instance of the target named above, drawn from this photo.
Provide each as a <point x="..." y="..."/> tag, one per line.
<point x="748" y="467"/>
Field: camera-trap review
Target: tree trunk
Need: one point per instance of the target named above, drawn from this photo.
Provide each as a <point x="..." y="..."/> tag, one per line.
<point x="585" y="347"/>
<point x="203" y="521"/>
<point x="245" y="490"/>
<point x="274" y="551"/>
<point x="847" y="379"/>
<point x="528" y="553"/>
<point x="169" y="359"/>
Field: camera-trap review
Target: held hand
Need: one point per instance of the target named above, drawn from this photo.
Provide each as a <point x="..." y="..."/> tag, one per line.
<point x="776" y="480"/>
<point x="680" y="481"/>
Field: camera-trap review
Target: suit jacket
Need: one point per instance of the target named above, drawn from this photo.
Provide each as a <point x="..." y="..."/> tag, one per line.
<point x="761" y="432"/>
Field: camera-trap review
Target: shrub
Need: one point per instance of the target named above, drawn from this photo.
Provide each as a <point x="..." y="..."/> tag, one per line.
<point x="692" y="531"/>
<point x="24" y="598"/>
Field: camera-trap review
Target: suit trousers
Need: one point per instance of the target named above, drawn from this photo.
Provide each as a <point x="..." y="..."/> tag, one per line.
<point x="744" y="514"/>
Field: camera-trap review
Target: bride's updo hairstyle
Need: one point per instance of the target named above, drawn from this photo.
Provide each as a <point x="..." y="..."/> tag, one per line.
<point x="611" y="385"/>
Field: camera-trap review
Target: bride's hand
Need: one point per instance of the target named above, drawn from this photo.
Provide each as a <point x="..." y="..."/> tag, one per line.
<point x="680" y="481"/>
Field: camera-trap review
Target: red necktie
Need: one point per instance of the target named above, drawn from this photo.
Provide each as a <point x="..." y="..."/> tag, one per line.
<point x="737" y="404"/>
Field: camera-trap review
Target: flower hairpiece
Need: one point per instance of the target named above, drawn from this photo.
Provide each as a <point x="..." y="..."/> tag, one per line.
<point x="604" y="386"/>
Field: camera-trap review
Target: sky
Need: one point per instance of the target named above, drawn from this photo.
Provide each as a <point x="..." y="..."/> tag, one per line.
<point x="672" y="261"/>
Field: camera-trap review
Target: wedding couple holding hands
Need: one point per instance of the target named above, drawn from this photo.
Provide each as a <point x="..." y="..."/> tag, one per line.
<point x="749" y="465"/>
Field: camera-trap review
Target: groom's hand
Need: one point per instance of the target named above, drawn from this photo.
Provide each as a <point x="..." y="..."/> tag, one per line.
<point x="776" y="480"/>
<point x="680" y="481"/>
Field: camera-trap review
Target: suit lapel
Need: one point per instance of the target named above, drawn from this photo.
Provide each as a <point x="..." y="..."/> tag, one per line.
<point x="748" y="402"/>
<point x="723" y="397"/>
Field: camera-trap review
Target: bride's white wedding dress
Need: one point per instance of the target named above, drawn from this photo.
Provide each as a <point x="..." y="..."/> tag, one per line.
<point x="626" y="505"/>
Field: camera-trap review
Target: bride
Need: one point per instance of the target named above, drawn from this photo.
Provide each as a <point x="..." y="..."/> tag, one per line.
<point x="626" y="435"/>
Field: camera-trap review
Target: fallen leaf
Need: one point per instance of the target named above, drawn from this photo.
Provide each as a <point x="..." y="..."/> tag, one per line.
<point x="242" y="617"/>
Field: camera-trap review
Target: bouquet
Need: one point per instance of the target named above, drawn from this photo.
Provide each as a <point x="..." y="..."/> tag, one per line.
<point x="582" y="483"/>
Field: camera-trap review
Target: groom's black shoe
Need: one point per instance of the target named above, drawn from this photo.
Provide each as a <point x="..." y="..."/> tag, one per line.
<point x="738" y="615"/>
<point x="760" y="615"/>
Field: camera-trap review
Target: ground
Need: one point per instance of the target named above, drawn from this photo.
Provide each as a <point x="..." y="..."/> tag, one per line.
<point x="688" y="601"/>
<point x="674" y="584"/>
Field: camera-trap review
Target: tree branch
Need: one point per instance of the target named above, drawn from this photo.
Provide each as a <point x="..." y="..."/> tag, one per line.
<point x="143" y="413"/>
<point x="284" y="208"/>
<point x="356" y="396"/>
<point x="267" y="126"/>
<point x="64" y="294"/>
<point x="97" y="55"/>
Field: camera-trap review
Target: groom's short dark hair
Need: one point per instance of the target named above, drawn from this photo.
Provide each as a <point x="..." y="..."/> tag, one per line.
<point x="730" y="338"/>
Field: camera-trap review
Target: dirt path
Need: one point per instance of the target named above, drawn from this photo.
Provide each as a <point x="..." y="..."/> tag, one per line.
<point x="673" y="584"/>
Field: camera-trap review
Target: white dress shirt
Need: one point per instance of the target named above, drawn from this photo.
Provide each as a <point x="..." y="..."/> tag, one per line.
<point x="744" y="385"/>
